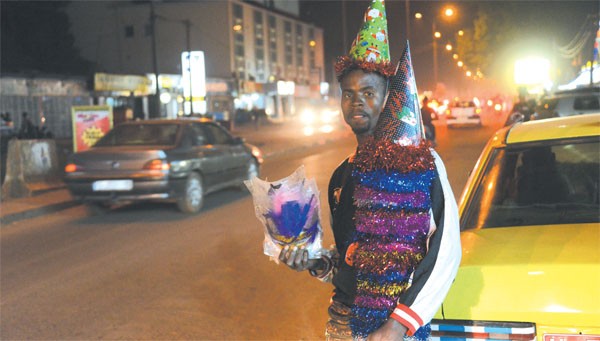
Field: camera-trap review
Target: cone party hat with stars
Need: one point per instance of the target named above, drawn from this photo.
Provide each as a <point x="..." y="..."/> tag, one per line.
<point x="400" y="121"/>
<point x="370" y="50"/>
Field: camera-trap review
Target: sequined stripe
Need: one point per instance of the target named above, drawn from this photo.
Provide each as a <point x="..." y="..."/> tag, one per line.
<point x="383" y="154"/>
<point x="395" y="182"/>
<point x="369" y="314"/>
<point x="376" y="302"/>
<point x="391" y="223"/>
<point x="369" y="261"/>
<point x="387" y="289"/>
<point x="368" y="197"/>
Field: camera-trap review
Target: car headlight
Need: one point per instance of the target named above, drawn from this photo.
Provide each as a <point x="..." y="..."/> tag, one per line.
<point x="328" y="116"/>
<point x="307" y="116"/>
<point x="180" y="166"/>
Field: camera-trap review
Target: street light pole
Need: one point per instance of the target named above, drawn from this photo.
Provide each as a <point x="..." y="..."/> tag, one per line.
<point x="435" y="56"/>
<point x="156" y="103"/>
<point x="187" y="24"/>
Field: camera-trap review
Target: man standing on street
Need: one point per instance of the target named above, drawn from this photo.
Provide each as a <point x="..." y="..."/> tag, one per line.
<point x="394" y="216"/>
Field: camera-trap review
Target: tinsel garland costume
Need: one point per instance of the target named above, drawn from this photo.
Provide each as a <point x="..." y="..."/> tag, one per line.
<point x="392" y="224"/>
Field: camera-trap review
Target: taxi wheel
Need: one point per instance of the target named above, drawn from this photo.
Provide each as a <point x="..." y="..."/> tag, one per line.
<point x="193" y="196"/>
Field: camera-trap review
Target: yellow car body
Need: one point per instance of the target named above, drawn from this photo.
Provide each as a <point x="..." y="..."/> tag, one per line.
<point x="539" y="281"/>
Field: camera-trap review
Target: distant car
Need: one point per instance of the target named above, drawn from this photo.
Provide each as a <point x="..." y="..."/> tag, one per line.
<point x="175" y="160"/>
<point x="530" y="234"/>
<point x="463" y="113"/>
<point x="320" y="118"/>
<point x="568" y="103"/>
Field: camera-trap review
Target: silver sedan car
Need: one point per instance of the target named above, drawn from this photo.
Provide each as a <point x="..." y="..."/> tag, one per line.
<point x="178" y="160"/>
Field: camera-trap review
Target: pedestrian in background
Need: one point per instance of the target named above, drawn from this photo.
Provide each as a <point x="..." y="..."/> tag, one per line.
<point x="28" y="129"/>
<point x="394" y="216"/>
<point x="427" y="115"/>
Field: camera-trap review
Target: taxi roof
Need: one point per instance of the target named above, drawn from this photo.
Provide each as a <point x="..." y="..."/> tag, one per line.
<point x="555" y="128"/>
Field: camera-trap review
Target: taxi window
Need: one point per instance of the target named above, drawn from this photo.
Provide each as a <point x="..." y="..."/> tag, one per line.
<point x="586" y="103"/>
<point x="537" y="185"/>
<point x="141" y="134"/>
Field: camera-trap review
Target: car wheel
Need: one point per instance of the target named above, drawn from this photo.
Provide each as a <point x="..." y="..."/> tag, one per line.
<point x="193" y="196"/>
<point x="252" y="171"/>
<point x="98" y="208"/>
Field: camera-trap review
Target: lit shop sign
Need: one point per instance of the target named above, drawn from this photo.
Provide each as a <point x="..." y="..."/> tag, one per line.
<point x="285" y="88"/>
<point x="140" y="85"/>
<point x="192" y="66"/>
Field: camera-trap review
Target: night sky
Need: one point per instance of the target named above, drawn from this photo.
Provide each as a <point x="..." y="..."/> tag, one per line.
<point x="541" y="27"/>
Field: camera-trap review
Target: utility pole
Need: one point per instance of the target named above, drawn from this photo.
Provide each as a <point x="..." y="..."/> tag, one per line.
<point x="344" y="38"/>
<point x="188" y="24"/>
<point x="156" y="112"/>
<point x="435" y="56"/>
<point x="407" y="18"/>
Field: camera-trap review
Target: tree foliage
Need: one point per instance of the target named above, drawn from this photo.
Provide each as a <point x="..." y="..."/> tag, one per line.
<point x="35" y="38"/>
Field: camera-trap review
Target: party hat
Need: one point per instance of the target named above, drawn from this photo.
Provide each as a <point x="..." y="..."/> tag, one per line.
<point x="400" y="120"/>
<point x="370" y="50"/>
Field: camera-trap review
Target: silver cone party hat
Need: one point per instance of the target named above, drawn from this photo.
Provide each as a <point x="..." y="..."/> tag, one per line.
<point x="400" y="120"/>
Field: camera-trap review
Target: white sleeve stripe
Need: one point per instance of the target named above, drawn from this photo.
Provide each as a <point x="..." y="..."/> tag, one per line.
<point x="433" y="292"/>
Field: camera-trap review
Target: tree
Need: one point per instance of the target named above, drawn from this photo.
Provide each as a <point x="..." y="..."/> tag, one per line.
<point x="35" y="38"/>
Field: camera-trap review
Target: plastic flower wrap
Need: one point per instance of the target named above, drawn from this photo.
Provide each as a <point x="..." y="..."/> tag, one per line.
<point x="289" y="212"/>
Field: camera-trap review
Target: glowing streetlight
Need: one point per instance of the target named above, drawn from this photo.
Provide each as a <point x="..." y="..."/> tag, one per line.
<point x="448" y="47"/>
<point x="460" y="63"/>
<point x="418" y="15"/>
<point x="468" y="73"/>
<point x="461" y="33"/>
<point x="449" y="11"/>
<point x="455" y="56"/>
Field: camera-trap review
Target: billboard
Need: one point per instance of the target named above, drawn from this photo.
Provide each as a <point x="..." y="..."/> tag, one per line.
<point x="90" y="123"/>
<point x="193" y="80"/>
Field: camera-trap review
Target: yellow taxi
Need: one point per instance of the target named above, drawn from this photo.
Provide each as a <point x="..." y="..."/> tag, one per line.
<point x="530" y="233"/>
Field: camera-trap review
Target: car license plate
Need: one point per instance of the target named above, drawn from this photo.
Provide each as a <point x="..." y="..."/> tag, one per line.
<point x="112" y="185"/>
<point x="570" y="337"/>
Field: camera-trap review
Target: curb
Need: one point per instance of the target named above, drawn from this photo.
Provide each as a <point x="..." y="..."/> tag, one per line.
<point x="38" y="211"/>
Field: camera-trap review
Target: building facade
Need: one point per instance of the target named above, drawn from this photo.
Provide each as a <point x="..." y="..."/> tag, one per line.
<point x="262" y="53"/>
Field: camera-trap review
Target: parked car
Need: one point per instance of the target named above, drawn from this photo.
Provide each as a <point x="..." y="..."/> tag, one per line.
<point x="463" y="113"/>
<point x="568" y="103"/>
<point x="529" y="217"/>
<point x="175" y="160"/>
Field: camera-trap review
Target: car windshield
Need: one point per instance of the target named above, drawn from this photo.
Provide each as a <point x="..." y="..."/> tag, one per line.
<point x="140" y="135"/>
<point x="537" y="185"/>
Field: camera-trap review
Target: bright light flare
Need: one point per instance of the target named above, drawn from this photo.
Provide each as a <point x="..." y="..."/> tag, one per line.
<point x="308" y="116"/>
<point x="308" y="131"/>
<point x="532" y="70"/>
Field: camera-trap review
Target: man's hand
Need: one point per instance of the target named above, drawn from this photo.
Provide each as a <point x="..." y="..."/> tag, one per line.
<point x="297" y="259"/>
<point x="392" y="330"/>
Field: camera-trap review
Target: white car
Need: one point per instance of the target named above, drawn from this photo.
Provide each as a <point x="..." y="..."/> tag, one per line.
<point x="463" y="113"/>
<point x="568" y="103"/>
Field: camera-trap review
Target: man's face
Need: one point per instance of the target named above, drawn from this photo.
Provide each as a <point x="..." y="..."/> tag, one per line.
<point x="363" y="94"/>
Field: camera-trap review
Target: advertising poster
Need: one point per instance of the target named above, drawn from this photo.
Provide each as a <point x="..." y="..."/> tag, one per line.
<point x="90" y="123"/>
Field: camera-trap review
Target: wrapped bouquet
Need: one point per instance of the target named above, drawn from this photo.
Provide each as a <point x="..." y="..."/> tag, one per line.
<point x="289" y="212"/>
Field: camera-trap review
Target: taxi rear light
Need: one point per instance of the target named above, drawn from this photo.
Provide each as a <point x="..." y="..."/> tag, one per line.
<point x="482" y="330"/>
<point x="157" y="164"/>
<point x="71" y="167"/>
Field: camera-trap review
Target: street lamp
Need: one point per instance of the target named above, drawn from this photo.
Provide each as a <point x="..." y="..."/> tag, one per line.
<point x="447" y="12"/>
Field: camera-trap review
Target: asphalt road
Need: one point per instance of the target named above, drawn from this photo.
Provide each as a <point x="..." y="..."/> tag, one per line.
<point x="146" y="271"/>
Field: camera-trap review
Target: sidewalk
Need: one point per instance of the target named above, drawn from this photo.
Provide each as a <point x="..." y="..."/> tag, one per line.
<point x="273" y="138"/>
